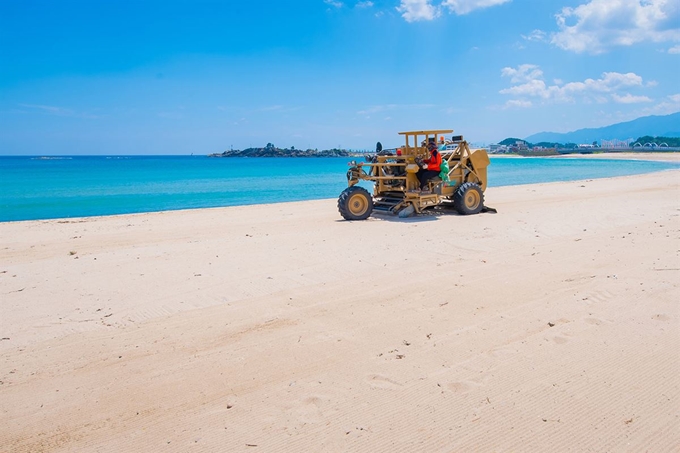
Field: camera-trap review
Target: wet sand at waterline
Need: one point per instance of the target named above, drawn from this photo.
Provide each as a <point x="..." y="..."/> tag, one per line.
<point x="552" y="325"/>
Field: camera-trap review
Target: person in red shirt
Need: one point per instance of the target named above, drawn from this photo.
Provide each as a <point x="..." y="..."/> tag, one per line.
<point x="430" y="167"/>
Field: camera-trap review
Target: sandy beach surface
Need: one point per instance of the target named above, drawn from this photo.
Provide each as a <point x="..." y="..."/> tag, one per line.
<point x="552" y="325"/>
<point x="645" y="155"/>
<point x="668" y="156"/>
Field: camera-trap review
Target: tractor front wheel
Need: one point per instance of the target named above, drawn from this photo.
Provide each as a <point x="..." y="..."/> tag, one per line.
<point x="355" y="203"/>
<point x="468" y="199"/>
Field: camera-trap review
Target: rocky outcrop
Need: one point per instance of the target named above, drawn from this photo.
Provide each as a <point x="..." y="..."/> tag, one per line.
<point x="272" y="151"/>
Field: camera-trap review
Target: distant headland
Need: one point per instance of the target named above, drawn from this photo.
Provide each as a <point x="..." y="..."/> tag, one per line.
<point x="272" y="151"/>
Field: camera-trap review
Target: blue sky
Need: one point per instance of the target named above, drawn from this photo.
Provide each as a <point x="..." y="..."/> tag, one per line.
<point x="181" y="77"/>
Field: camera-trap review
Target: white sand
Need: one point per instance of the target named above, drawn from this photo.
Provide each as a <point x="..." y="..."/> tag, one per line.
<point x="644" y="155"/>
<point x="550" y="326"/>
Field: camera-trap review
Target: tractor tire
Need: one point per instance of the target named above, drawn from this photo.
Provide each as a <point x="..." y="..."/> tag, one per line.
<point x="355" y="203"/>
<point x="468" y="199"/>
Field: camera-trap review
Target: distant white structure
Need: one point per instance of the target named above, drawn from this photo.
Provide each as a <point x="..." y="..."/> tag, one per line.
<point x="498" y="149"/>
<point x="616" y="144"/>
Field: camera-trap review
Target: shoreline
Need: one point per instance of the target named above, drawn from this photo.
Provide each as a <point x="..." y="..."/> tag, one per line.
<point x="271" y="205"/>
<point x="552" y="324"/>
<point x="651" y="157"/>
<point x="669" y="156"/>
<point x="83" y="219"/>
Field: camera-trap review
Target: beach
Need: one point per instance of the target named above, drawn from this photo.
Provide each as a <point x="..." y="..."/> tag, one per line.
<point x="552" y="325"/>
<point x="668" y="156"/>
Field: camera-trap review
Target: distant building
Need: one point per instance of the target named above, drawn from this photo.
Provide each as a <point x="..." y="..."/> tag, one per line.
<point x="498" y="149"/>
<point x="520" y="145"/>
<point x="616" y="144"/>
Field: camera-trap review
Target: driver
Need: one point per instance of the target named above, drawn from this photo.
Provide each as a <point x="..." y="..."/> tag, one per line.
<point x="430" y="167"/>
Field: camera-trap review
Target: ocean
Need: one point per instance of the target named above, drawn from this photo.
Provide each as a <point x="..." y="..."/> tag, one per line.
<point x="33" y="188"/>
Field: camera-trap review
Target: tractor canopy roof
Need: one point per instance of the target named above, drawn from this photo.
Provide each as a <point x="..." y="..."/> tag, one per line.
<point x="412" y="137"/>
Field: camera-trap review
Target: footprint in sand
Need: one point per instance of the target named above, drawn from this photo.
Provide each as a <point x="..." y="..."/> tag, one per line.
<point x="560" y="339"/>
<point x="461" y="387"/>
<point x="503" y="353"/>
<point x="313" y="401"/>
<point x="595" y="321"/>
<point x="662" y="317"/>
<point x="310" y="409"/>
<point x="378" y="381"/>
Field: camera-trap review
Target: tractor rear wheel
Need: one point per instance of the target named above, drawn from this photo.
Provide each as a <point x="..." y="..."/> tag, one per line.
<point x="468" y="199"/>
<point x="355" y="203"/>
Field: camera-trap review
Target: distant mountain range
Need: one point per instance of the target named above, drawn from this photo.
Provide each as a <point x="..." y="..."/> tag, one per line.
<point x="656" y="126"/>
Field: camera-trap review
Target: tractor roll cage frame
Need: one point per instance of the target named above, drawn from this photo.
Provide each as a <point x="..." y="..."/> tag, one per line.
<point x="386" y="167"/>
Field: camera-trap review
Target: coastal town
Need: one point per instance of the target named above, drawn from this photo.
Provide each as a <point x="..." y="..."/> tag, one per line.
<point x="641" y="144"/>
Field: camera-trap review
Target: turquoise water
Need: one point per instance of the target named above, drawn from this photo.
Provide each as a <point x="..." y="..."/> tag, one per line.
<point x="46" y="188"/>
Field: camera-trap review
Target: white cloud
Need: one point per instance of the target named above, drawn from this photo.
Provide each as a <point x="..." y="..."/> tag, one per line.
<point x="416" y="10"/>
<point x="671" y="104"/>
<point x="629" y="98"/>
<point x="532" y="88"/>
<point x="674" y="50"/>
<point x="364" y="4"/>
<point x="523" y="73"/>
<point x="334" y="3"/>
<point x="392" y="107"/>
<point x="599" y="25"/>
<point x="518" y="103"/>
<point x="461" y="7"/>
<point x="376" y="109"/>
<point x="536" y="35"/>
<point x="530" y="84"/>
<point x="610" y="82"/>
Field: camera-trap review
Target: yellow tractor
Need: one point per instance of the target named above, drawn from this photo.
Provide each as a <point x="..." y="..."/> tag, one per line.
<point x="396" y="188"/>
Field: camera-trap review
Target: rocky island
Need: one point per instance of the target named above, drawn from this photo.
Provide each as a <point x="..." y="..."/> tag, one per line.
<point x="272" y="151"/>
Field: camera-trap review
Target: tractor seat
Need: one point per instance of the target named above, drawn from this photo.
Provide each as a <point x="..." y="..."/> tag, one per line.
<point x="433" y="182"/>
